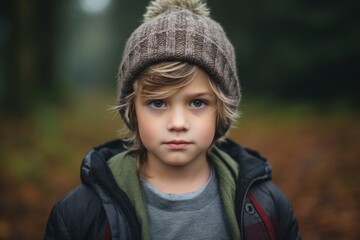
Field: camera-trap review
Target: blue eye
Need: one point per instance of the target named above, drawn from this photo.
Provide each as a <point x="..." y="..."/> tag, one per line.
<point x="197" y="103"/>
<point x="157" y="104"/>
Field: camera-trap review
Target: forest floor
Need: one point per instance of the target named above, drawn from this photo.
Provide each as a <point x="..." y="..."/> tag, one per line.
<point x="314" y="153"/>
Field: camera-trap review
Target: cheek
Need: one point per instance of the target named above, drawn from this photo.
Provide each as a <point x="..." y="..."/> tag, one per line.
<point x="206" y="130"/>
<point x="147" y="131"/>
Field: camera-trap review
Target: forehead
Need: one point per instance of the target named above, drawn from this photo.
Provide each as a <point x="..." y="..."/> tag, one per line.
<point x="167" y="86"/>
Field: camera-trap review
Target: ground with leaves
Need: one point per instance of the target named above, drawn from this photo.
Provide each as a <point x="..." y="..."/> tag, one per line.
<point x="314" y="155"/>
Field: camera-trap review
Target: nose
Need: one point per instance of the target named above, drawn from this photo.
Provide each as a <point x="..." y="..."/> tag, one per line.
<point x="178" y="121"/>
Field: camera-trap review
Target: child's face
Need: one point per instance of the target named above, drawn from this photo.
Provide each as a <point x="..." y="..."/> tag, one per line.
<point x="178" y="130"/>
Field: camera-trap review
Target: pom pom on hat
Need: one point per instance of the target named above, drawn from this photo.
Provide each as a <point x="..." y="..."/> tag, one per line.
<point x="158" y="7"/>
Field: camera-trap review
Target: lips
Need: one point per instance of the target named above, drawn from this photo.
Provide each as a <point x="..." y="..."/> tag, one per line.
<point x="177" y="144"/>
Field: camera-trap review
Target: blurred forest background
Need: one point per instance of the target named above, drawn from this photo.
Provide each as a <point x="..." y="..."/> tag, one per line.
<point x="298" y="61"/>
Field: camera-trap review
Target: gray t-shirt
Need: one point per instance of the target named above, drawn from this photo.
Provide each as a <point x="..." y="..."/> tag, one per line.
<point x="194" y="215"/>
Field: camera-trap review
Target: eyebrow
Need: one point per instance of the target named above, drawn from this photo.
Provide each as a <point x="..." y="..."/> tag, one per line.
<point x="201" y="94"/>
<point x="188" y="95"/>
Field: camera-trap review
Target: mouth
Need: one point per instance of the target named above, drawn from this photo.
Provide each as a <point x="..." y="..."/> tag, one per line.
<point x="177" y="144"/>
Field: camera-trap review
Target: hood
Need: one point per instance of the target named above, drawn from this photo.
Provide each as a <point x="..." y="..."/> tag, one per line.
<point x="252" y="165"/>
<point x="96" y="159"/>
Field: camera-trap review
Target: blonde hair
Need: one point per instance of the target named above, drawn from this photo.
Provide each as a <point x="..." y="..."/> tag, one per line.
<point x="164" y="80"/>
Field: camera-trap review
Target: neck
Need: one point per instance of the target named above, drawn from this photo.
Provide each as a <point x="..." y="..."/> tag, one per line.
<point x="177" y="179"/>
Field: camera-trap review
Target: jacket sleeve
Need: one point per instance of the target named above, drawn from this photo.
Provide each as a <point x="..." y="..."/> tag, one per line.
<point x="279" y="210"/>
<point x="286" y="225"/>
<point x="56" y="227"/>
<point x="78" y="215"/>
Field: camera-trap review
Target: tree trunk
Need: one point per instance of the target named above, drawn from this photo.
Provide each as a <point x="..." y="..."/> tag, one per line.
<point x="29" y="51"/>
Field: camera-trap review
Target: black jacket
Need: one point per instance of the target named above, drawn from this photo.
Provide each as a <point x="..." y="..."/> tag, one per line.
<point x="98" y="208"/>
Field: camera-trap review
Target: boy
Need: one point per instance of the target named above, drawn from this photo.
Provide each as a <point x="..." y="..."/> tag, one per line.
<point x="175" y="175"/>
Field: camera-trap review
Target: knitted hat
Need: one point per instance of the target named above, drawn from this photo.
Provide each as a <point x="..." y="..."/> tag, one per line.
<point x="179" y="30"/>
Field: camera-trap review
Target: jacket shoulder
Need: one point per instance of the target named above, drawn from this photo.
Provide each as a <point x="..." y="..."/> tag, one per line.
<point x="78" y="215"/>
